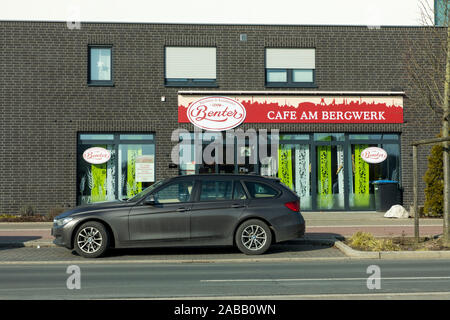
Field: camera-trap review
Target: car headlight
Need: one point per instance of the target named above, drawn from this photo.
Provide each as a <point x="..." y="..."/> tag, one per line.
<point x="61" y="222"/>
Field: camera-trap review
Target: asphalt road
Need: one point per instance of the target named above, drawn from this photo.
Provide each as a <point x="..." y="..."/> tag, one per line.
<point x="343" y="279"/>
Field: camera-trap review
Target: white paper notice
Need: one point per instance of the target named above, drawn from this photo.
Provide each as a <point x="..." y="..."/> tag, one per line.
<point x="145" y="168"/>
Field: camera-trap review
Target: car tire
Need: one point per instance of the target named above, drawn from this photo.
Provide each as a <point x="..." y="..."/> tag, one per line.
<point x="253" y="237"/>
<point x="91" y="239"/>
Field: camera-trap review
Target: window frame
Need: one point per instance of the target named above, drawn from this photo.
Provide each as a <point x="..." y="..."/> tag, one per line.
<point x="239" y="182"/>
<point x="100" y="83"/>
<point x="289" y="83"/>
<point x="245" y="181"/>
<point x="201" y="182"/>
<point x="116" y="142"/>
<point x="169" y="184"/>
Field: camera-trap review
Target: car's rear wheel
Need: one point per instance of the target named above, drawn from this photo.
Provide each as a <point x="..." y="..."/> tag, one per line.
<point x="91" y="240"/>
<point x="253" y="237"/>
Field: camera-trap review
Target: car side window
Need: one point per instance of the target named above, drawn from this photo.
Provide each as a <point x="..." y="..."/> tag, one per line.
<point x="239" y="193"/>
<point x="260" y="190"/>
<point x="175" y="192"/>
<point x="216" y="190"/>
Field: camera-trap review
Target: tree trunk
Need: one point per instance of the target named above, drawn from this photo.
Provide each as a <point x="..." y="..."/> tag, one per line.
<point x="445" y="128"/>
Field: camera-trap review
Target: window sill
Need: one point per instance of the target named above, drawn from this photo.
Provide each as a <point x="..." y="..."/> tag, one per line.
<point x="291" y="85"/>
<point x="193" y="85"/>
<point x="101" y="84"/>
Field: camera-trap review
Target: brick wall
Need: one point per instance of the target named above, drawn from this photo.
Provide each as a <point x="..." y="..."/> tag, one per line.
<point x="45" y="100"/>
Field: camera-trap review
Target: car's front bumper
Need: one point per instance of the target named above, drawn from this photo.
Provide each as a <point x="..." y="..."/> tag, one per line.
<point x="63" y="235"/>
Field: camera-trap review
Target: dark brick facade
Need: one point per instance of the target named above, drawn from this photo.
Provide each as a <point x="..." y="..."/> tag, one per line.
<point x="45" y="100"/>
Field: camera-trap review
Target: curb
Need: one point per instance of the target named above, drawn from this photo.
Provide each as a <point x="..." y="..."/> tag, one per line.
<point x="350" y="252"/>
<point x="395" y="255"/>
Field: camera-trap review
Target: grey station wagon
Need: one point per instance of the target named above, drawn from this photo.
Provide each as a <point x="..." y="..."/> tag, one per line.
<point x="250" y="212"/>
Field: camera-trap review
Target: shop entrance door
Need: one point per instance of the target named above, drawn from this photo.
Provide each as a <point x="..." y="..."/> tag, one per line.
<point x="330" y="181"/>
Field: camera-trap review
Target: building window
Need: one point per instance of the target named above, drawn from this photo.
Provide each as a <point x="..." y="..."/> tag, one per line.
<point x="190" y="66"/>
<point x="129" y="170"/>
<point x="100" y="65"/>
<point x="290" y="67"/>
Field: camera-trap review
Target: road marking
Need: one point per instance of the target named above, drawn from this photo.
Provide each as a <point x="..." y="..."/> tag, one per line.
<point x="423" y="295"/>
<point x="25" y="229"/>
<point x="325" y="279"/>
<point x="250" y="260"/>
<point x="374" y="226"/>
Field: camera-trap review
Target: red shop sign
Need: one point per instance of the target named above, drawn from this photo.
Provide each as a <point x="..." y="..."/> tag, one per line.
<point x="294" y="109"/>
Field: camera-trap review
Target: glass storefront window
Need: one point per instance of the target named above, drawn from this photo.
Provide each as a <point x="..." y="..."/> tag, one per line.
<point x="294" y="136"/>
<point x="363" y="175"/>
<point x="134" y="170"/>
<point x="96" y="182"/>
<point x="187" y="155"/>
<point x="324" y="169"/>
<point x="136" y="137"/>
<point x="329" y="137"/>
<point x="130" y="169"/>
<point x="365" y="137"/>
<point x="96" y="137"/>
<point x="361" y="195"/>
<point x="390" y="137"/>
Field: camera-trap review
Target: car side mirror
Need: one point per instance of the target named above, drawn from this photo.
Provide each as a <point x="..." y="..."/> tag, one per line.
<point x="150" y="200"/>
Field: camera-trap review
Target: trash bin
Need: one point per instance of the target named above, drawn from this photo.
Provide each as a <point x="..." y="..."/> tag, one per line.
<point x="387" y="194"/>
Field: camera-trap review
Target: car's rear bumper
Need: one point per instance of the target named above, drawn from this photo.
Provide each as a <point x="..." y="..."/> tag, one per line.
<point x="290" y="231"/>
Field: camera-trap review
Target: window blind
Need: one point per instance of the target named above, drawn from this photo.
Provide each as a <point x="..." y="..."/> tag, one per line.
<point x="287" y="58"/>
<point x="190" y="63"/>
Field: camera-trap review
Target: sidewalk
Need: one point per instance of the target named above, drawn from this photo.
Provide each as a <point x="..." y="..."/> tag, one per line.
<point x="319" y="225"/>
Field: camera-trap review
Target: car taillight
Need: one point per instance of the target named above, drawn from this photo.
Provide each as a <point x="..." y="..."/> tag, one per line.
<point x="293" y="205"/>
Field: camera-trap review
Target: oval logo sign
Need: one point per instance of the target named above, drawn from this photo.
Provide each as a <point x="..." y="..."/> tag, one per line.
<point x="216" y="113"/>
<point x="96" y="155"/>
<point x="373" y="155"/>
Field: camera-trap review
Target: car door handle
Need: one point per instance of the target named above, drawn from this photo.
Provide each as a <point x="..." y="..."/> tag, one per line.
<point x="236" y="205"/>
<point x="183" y="209"/>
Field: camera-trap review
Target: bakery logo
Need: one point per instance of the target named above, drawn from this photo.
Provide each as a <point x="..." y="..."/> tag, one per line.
<point x="373" y="155"/>
<point x="96" y="155"/>
<point x="216" y="113"/>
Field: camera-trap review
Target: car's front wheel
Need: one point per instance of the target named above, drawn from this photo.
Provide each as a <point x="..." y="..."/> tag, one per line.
<point x="91" y="240"/>
<point x="253" y="237"/>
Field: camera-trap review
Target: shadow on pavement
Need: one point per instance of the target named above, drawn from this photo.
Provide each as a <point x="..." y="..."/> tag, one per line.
<point x="307" y="244"/>
<point x="11" y="242"/>
<point x="319" y="235"/>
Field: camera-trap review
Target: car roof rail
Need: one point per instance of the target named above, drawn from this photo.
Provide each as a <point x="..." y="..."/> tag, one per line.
<point x="273" y="178"/>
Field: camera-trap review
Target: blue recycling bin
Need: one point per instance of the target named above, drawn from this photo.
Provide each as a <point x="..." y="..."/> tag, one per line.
<point x="387" y="193"/>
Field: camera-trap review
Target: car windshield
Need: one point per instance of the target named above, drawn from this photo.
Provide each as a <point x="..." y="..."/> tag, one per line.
<point x="146" y="191"/>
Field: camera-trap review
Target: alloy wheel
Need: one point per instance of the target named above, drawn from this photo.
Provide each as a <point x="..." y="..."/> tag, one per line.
<point x="89" y="240"/>
<point x="254" y="237"/>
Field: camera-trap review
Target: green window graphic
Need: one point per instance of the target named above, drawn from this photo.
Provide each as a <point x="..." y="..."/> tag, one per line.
<point x="325" y="182"/>
<point x="133" y="187"/>
<point x="362" y="196"/>
<point x="285" y="166"/>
